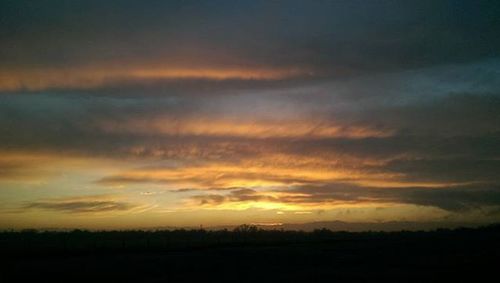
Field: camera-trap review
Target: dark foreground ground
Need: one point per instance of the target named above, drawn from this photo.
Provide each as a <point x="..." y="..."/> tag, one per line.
<point x="250" y="255"/>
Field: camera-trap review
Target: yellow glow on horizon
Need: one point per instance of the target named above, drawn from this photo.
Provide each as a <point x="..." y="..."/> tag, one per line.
<point x="265" y="205"/>
<point x="298" y="208"/>
<point x="268" y="178"/>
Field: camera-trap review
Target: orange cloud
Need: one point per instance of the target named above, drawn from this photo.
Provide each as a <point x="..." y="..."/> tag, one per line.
<point x="229" y="176"/>
<point x="28" y="166"/>
<point x="95" y="77"/>
<point x="300" y="203"/>
<point x="245" y="128"/>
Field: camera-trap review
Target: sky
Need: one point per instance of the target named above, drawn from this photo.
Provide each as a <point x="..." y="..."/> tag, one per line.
<point x="136" y="114"/>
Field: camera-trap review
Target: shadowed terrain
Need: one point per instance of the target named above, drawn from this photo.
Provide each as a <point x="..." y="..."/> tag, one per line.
<point x="250" y="254"/>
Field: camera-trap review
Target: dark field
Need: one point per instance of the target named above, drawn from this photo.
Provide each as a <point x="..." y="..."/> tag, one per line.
<point x="248" y="255"/>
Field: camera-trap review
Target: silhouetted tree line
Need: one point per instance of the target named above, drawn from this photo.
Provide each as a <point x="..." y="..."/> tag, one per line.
<point x="31" y="240"/>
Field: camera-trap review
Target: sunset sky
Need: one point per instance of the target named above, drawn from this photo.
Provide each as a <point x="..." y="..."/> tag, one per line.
<point x="136" y="114"/>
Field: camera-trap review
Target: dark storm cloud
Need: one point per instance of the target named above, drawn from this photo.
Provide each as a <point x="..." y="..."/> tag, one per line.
<point x="52" y="122"/>
<point x="449" y="115"/>
<point x="329" y="37"/>
<point x="453" y="198"/>
<point x="483" y="146"/>
<point x="447" y="170"/>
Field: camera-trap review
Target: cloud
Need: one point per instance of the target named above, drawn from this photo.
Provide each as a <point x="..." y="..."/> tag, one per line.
<point x="254" y="102"/>
<point x="453" y="198"/>
<point x="240" y="195"/>
<point x="355" y="117"/>
<point x="9" y="170"/>
<point x="94" y="204"/>
<point x="446" y="170"/>
<point x="336" y="39"/>
<point x="23" y="166"/>
<point x="414" y="142"/>
<point x="112" y="78"/>
<point x="236" y="128"/>
<point x="256" y="172"/>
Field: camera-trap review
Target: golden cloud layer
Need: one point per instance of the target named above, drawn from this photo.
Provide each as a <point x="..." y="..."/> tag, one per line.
<point x="95" y="77"/>
<point x="241" y="128"/>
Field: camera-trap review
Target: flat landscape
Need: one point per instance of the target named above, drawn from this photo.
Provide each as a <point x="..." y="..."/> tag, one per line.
<point x="247" y="254"/>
